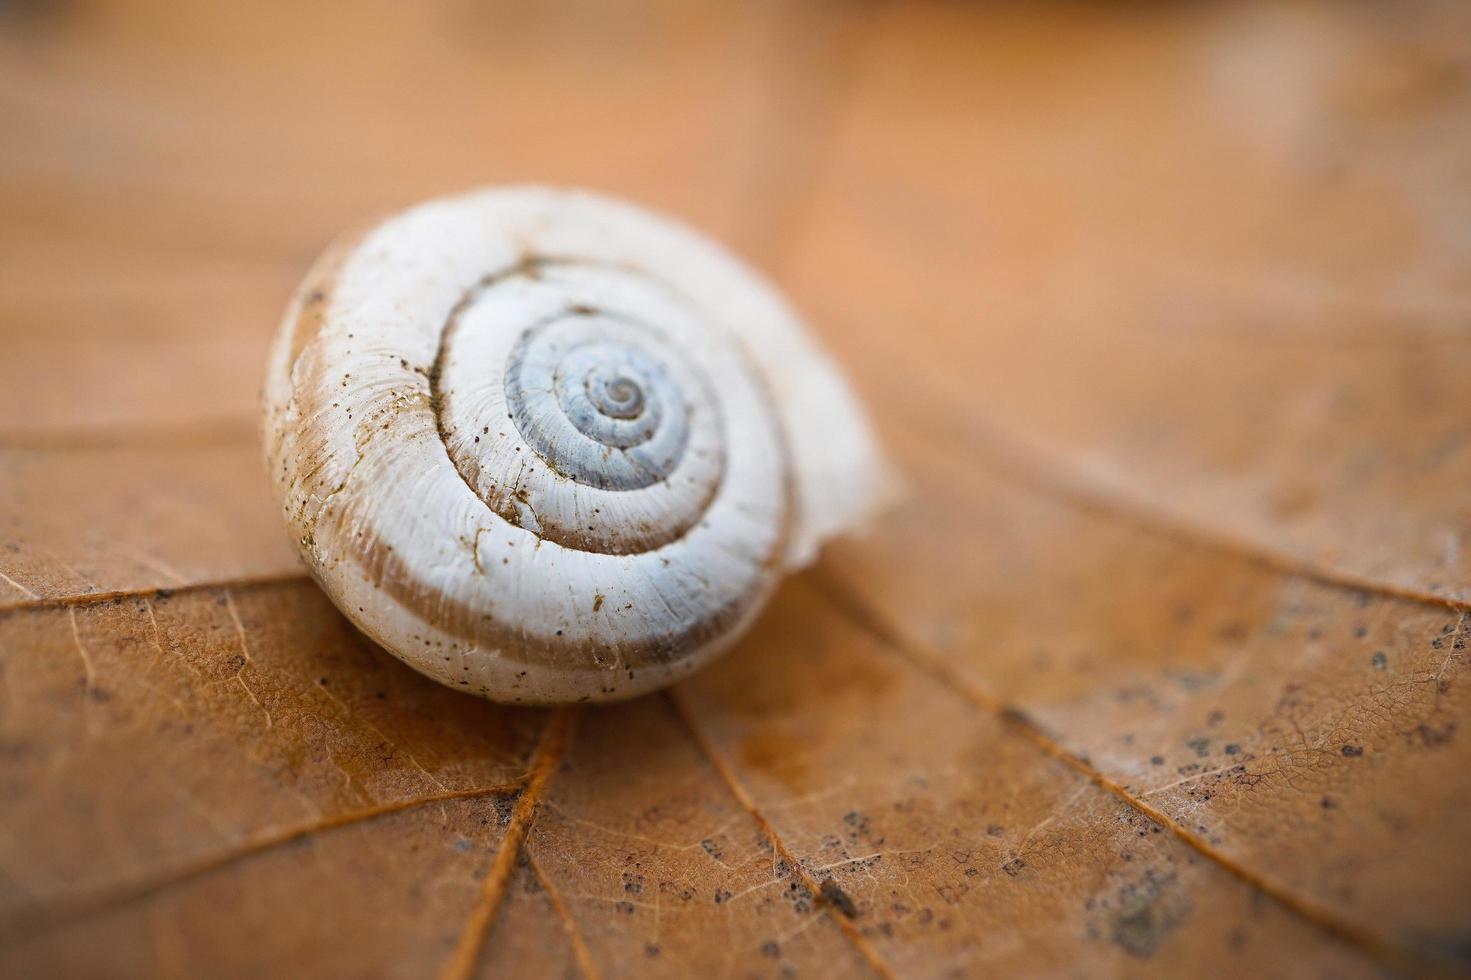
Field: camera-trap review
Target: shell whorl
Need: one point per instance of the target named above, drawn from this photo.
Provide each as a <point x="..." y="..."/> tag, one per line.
<point x="601" y="432"/>
<point x="532" y="443"/>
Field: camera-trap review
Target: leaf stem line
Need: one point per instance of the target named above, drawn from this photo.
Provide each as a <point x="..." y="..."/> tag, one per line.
<point x="580" y="953"/>
<point x="738" y="790"/>
<point x="859" y="612"/>
<point x="153" y="592"/>
<point x="549" y="752"/>
<point x="33" y="924"/>
<point x="1035" y="469"/>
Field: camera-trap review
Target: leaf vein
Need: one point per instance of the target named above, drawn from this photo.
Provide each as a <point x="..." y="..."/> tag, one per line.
<point x="555" y="740"/>
<point x="42" y="921"/>
<point x="853" y="607"/>
<point x="738" y="790"/>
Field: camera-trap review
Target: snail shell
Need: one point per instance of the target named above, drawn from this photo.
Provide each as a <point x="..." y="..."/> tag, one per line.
<point x="547" y="447"/>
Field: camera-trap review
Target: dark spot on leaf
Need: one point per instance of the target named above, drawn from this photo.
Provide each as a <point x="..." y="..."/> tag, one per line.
<point x="1430" y="738"/>
<point x="1146" y="915"/>
<point x="834" y="895"/>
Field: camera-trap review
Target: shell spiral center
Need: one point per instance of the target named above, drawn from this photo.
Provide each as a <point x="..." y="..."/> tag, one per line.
<point x="569" y="403"/>
<point x="588" y="383"/>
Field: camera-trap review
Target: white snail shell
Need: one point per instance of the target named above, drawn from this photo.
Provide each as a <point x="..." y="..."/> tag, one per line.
<point x="547" y="447"/>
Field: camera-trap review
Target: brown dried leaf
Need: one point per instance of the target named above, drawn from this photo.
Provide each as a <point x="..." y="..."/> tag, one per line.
<point x="1161" y="666"/>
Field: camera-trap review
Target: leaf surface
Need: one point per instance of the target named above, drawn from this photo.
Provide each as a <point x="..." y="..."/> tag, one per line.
<point x="1160" y="665"/>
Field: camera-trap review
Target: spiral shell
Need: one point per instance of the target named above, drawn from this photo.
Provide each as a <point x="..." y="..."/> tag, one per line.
<point x="546" y="447"/>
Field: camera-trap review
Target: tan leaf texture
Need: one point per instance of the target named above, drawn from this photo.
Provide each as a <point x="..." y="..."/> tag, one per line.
<point x="1160" y="668"/>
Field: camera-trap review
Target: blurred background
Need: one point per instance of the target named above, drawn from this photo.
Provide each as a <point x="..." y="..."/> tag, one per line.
<point x="1175" y="292"/>
<point x="1211" y="253"/>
